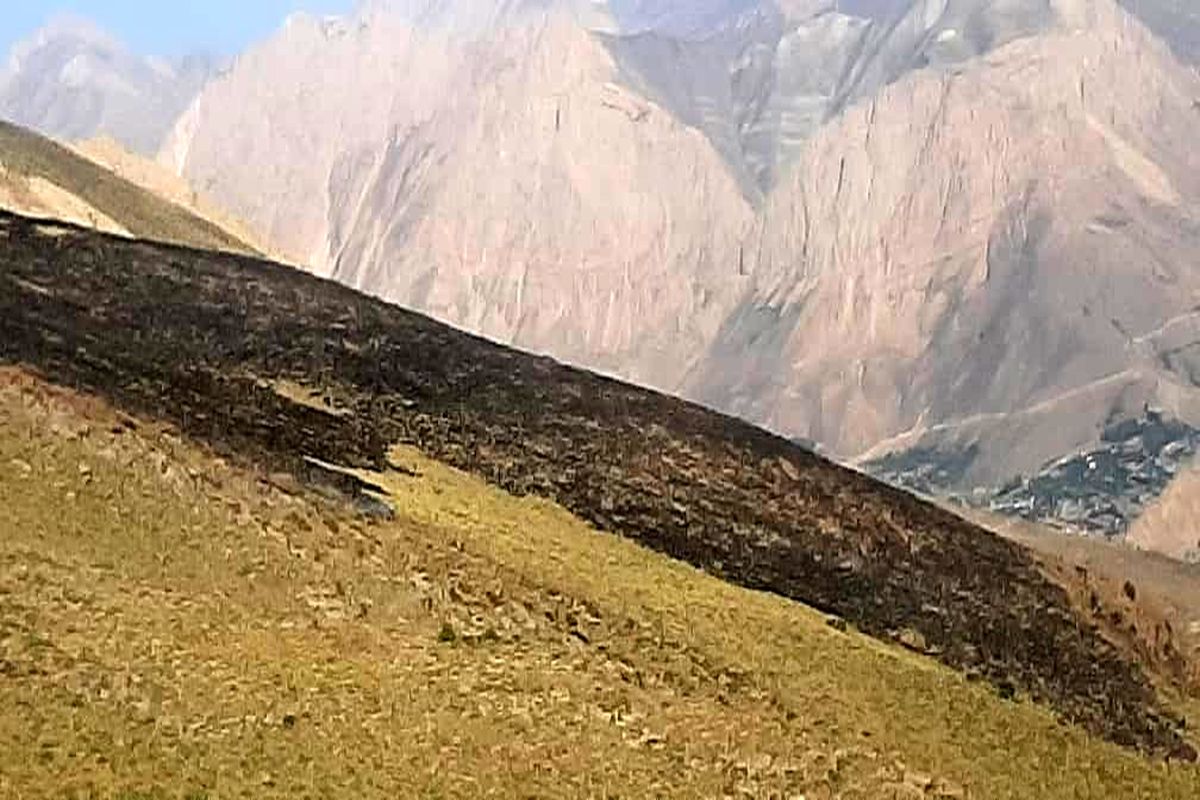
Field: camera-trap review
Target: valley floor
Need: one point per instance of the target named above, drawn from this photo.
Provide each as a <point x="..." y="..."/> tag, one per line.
<point x="172" y="625"/>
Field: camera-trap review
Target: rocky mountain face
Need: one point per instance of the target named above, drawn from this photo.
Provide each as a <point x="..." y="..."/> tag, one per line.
<point x="997" y="258"/>
<point x="1176" y="21"/>
<point x="957" y="230"/>
<point x="71" y="80"/>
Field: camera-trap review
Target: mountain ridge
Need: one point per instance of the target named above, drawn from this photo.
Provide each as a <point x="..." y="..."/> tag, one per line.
<point x="39" y="177"/>
<point x="688" y="206"/>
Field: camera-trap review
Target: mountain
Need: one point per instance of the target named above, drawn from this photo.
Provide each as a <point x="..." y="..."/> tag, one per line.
<point x="41" y="178"/>
<point x="953" y="235"/>
<point x="71" y="80"/>
<point x="993" y="261"/>
<point x="302" y="385"/>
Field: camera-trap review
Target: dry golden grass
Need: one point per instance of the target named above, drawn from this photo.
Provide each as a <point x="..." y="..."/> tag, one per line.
<point x="171" y="625"/>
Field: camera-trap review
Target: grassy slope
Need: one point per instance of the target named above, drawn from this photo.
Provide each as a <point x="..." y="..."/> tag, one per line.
<point x="138" y="211"/>
<point x="171" y="624"/>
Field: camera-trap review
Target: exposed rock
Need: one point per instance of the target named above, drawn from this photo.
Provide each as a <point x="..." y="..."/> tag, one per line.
<point x="1177" y="21"/>
<point x="913" y="640"/>
<point x="924" y="285"/>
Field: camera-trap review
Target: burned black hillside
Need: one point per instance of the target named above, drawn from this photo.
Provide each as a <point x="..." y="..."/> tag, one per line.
<point x="197" y="338"/>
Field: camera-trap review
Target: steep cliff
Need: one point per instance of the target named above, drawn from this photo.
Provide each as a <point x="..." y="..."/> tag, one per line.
<point x="997" y="259"/>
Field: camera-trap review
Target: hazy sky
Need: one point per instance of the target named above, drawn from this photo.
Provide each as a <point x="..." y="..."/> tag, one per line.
<point x="165" y="27"/>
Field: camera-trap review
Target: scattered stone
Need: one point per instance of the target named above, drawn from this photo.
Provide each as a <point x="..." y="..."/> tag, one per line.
<point x="919" y="779"/>
<point x="789" y="469"/>
<point x="913" y="640"/>
<point x="374" y="508"/>
<point x="949" y="791"/>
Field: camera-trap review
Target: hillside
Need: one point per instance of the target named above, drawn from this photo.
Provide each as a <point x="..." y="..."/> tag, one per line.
<point x="1134" y="594"/>
<point x="275" y="368"/>
<point x="957" y="237"/>
<point x="255" y="639"/>
<point x="45" y="179"/>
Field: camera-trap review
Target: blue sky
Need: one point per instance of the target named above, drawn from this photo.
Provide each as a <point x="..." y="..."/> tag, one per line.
<point x="165" y="27"/>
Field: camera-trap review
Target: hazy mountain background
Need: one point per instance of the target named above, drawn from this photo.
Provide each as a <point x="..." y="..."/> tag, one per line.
<point x="952" y="240"/>
<point x="72" y="80"/>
